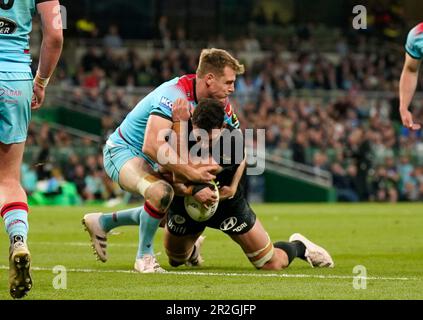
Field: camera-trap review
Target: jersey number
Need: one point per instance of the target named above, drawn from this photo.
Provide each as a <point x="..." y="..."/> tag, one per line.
<point x="8" y="5"/>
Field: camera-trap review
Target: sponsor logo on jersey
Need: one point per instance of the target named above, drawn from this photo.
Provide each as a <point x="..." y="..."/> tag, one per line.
<point x="181" y="230"/>
<point x="166" y="103"/>
<point x="7" y="26"/>
<point x="240" y="227"/>
<point x="179" y="219"/>
<point x="10" y="93"/>
<point x="228" y="223"/>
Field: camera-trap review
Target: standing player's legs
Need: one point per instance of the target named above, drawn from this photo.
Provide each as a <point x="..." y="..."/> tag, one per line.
<point x="12" y="196"/>
<point x="14" y="119"/>
<point x="135" y="176"/>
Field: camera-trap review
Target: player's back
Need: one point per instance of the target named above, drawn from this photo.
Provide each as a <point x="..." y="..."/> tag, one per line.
<point x="15" y="26"/>
<point x="159" y="101"/>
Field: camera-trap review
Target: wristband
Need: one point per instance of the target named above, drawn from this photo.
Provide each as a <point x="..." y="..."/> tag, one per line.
<point x="42" y="82"/>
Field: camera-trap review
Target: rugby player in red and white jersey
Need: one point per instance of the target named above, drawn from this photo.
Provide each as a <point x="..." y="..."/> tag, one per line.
<point x="131" y="154"/>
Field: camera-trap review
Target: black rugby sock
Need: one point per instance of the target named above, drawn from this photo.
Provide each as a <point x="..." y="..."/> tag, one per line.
<point x="294" y="249"/>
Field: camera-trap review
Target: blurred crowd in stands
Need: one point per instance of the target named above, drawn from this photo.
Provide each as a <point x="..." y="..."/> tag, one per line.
<point x="370" y="155"/>
<point x="358" y="62"/>
<point x="357" y="138"/>
<point x="53" y="156"/>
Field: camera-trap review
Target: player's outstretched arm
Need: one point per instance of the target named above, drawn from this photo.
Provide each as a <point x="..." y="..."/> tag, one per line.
<point x="407" y="88"/>
<point x="51" y="48"/>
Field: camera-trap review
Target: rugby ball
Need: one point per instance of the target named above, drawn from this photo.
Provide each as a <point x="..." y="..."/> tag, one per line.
<point x="197" y="211"/>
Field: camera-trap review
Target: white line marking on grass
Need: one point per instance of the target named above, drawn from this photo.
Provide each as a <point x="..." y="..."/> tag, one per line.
<point x="82" y="244"/>
<point x="225" y="274"/>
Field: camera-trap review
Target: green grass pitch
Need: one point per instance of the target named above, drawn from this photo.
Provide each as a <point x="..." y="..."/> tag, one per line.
<point x="386" y="239"/>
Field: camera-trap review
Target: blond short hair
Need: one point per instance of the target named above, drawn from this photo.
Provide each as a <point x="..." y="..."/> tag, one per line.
<point x="215" y="60"/>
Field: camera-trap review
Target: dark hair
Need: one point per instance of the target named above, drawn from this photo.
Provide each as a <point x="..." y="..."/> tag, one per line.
<point x="209" y="114"/>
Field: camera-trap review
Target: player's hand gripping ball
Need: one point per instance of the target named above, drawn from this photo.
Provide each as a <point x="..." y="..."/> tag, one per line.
<point x="197" y="211"/>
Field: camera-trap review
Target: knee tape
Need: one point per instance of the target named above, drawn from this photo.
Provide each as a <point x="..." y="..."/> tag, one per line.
<point x="262" y="256"/>
<point x="145" y="183"/>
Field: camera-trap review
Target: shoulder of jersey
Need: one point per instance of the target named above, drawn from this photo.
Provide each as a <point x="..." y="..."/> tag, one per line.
<point x="186" y="85"/>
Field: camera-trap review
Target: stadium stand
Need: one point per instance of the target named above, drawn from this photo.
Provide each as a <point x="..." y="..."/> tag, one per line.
<point x="329" y="104"/>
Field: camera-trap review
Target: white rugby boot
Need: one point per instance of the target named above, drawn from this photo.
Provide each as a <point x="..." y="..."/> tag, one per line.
<point x="148" y="264"/>
<point x="315" y="255"/>
<point x="98" y="236"/>
<point x="20" y="281"/>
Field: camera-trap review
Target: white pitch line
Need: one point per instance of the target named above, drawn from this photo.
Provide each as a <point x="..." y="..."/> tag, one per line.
<point x="224" y="274"/>
<point x="82" y="244"/>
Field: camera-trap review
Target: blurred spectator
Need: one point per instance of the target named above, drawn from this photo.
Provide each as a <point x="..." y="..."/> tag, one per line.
<point x="95" y="79"/>
<point x="93" y="100"/>
<point x="112" y="39"/>
<point x="343" y="183"/>
<point x="320" y="162"/>
<point x="383" y="187"/>
<point x="359" y="150"/>
<point x="79" y="180"/>
<point x="299" y="148"/>
<point x="90" y="59"/>
<point x="29" y="178"/>
<point x="94" y="187"/>
<point x="164" y="32"/>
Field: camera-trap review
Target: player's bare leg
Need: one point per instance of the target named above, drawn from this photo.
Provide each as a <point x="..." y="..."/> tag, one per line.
<point x="14" y="210"/>
<point x="136" y="176"/>
<point x="183" y="249"/>
<point x="259" y="249"/>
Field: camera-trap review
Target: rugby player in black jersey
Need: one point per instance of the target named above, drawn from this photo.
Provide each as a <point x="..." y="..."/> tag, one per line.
<point x="233" y="216"/>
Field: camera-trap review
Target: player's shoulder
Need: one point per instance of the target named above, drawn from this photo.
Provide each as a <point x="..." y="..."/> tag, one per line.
<point x="172" y="87"/>
<point x="179" y="87"/>
<point x="414" y="44"/>
<point x="416" y="33"/>
<point x="163" y="97"/>
<point x="418" y="29"/>
<point x="186" y="84"/>
<point x="167" y="92"/>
